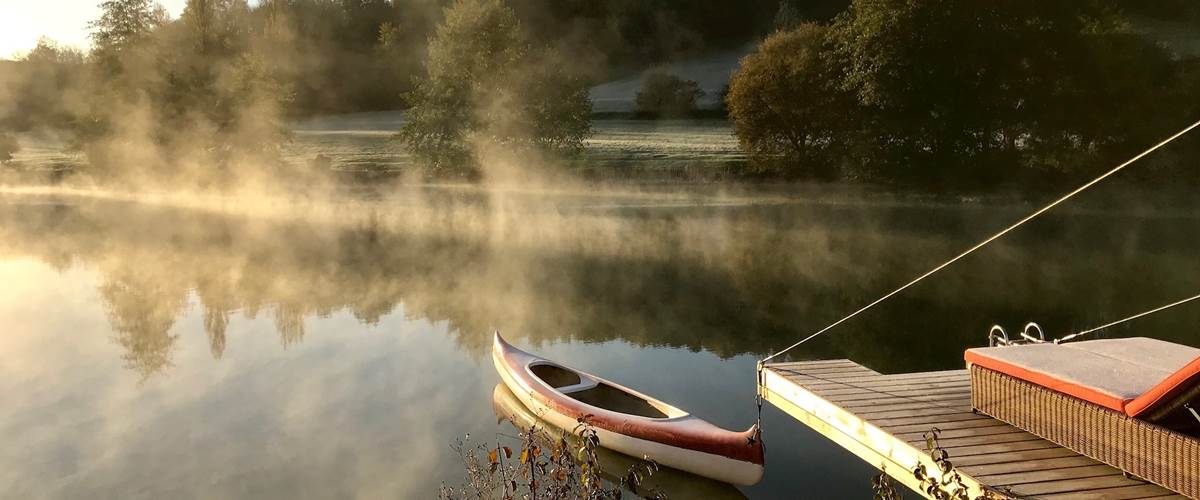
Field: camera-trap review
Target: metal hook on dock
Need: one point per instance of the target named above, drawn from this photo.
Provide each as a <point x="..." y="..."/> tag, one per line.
<point x="1041" y="338"/>
<point x="997" y="336"/>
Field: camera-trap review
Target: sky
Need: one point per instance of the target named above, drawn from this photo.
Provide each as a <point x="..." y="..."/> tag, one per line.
<point x="22" y="22"/>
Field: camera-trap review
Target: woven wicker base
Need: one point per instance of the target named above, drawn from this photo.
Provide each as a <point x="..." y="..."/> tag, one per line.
<point x="1149" y="452"/>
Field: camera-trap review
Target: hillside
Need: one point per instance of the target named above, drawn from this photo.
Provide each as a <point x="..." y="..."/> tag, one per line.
<point x="711" y="71"/>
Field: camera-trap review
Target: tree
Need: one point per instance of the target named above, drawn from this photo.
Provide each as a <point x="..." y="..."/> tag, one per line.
<point x="122" y="40"/>
<point x="215" y="71"/>
<point x="123" y="72"/>
<point x="786" y="107"/>
<point x="124" y="24"/>
<point x="181" y="99"/>
<point x="392" y="62"/>
<point x="961" y="92"/>
<point x="486" y="84"/>
<point x="41" y="85"/>
<point x="215" y="27"/>
<point x="665" y="94"/>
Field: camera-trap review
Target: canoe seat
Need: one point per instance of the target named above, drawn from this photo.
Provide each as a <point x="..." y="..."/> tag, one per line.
<point x="613" y="399"/>
<point x="556" y="376"/>
<point x="1143" y="378"/>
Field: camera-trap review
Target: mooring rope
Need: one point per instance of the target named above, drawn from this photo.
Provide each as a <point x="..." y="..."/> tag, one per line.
<point x="983" y="243"/>
<point x="1131" y="318"/>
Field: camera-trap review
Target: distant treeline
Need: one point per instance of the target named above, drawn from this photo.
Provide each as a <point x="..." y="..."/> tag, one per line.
<point x="361" y="55"/>
<point x="931" y="93"/>
<point x="966" y="94"/>
<point x="208" y="93"/>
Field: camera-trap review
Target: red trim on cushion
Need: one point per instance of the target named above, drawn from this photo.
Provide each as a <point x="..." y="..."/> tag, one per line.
<point x="1180" y="380"/>
<point x="1049" y="381"/>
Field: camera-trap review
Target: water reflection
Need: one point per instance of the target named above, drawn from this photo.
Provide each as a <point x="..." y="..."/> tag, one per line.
<point x="141" y="311"/>
<point x="335" y="350"/>
<point x="727" y="279"/>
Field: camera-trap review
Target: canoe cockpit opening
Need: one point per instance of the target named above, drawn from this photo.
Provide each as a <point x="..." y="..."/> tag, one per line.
<point x="593" y="392"/>
<point x="556" y="376"/>
<point x="613" y="399"/>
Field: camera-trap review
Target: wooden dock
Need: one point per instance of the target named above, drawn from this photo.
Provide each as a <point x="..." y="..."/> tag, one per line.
<point x="881" y="419"/>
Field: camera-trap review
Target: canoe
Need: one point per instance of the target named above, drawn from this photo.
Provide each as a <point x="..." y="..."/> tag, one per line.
<point x="613" y="465"/>
<point x="628" y="421"/>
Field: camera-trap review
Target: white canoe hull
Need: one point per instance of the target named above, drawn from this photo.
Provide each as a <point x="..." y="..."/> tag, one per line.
<point x="721" y="468"/>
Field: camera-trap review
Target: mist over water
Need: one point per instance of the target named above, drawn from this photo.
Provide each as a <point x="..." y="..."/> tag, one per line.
<point x="190" y="346"/>
<point x="213" y="288"/>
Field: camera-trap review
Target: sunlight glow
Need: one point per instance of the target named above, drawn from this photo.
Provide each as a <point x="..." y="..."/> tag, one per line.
<point x="23" y="22"/>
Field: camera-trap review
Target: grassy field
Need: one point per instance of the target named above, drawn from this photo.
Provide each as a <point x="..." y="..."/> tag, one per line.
<point x="363" y="142"/>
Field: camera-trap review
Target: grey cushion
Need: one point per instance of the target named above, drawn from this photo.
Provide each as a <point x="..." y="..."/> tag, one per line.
<point x="1120" y="368"/>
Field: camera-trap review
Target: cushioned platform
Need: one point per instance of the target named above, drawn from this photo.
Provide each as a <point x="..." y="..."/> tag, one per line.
<point x="1127" y="375"/>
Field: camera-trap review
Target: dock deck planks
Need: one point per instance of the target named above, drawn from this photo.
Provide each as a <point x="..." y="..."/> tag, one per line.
<point x="882" y="419"/>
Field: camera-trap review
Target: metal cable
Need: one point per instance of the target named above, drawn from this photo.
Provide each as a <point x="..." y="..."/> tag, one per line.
<point x="1131" y="318"/>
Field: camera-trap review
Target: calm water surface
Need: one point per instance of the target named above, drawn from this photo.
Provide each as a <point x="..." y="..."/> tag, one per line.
<point x="339" y="350"/>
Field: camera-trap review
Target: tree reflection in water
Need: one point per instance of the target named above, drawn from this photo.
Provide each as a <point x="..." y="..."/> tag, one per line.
<point x="141" y="312"/>
<point x="732" y="278"/>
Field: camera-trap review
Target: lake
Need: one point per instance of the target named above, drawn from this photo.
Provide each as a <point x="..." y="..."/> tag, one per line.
<point x="340" y="347"/>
